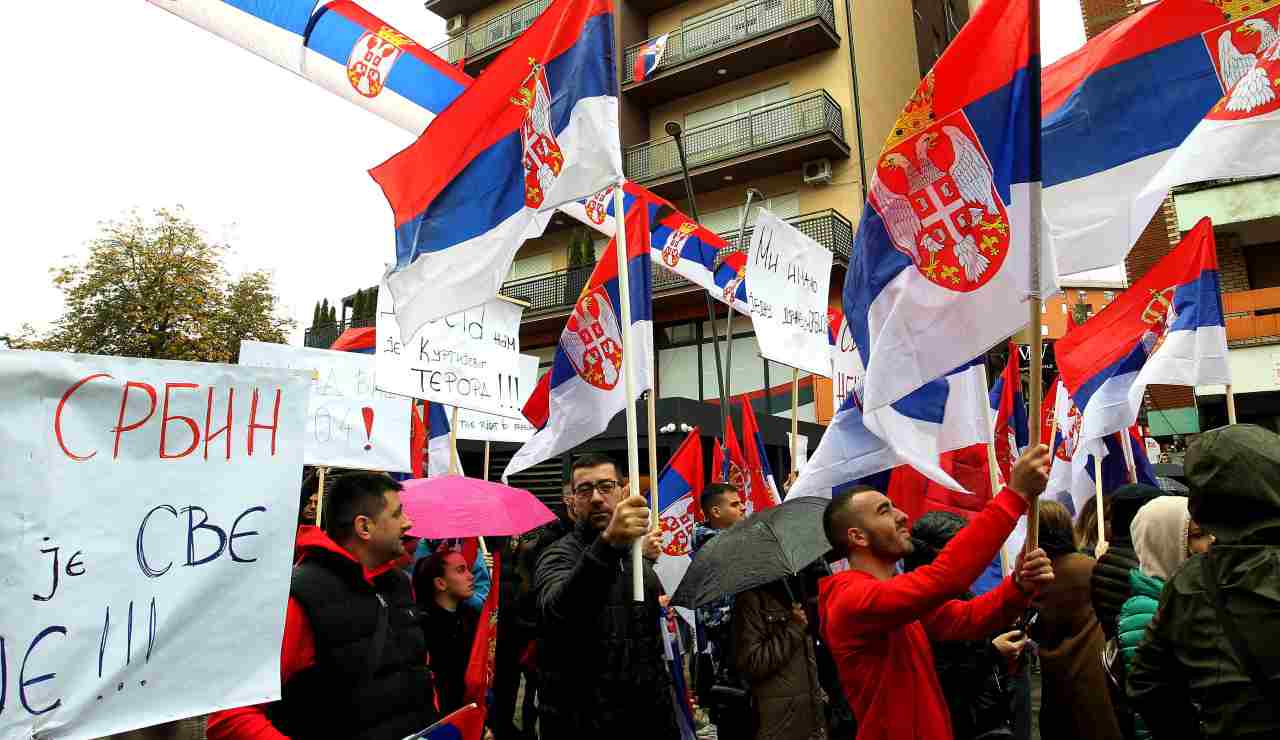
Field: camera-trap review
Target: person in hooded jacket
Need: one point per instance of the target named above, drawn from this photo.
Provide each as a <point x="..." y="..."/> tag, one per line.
<point x="1109" y="587"/>
<point x="1210" y="659"/>
<point x="1163" y="536"/>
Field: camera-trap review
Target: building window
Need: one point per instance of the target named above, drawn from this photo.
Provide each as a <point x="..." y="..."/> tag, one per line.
<point x="725" y="220"/>
<point x="735" y="138"/>
<point x="529" y="266"/>
<point x="1108" y="296"/>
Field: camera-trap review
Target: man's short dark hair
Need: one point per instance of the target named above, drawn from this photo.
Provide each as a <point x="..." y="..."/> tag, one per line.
<point x="351" y="495"/>
<point x="837" y="518"/>
<point x="713" y="493"/>
<point x="595" y="460"/>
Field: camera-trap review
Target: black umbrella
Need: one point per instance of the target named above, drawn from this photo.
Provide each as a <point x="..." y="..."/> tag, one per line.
<point x="766" y="546"/>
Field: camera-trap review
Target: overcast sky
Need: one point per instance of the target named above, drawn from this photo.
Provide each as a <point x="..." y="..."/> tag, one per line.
<point x="123" y="105"/>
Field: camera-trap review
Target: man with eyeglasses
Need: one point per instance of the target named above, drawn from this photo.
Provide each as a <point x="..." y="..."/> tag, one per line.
<point x="600" y="659"/>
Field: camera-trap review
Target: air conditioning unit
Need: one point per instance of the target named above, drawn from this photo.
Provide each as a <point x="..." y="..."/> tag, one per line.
<point x="456" y="25"/>
<point x="817" y="172"/>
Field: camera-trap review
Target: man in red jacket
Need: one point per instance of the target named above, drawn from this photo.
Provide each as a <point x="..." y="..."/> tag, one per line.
<point x="878" y="624"/>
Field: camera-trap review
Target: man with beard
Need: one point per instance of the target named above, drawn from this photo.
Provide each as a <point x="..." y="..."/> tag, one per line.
<point x="878" y="623"/>
<point x="353" y="663"/>
<point x="600" y="654"/>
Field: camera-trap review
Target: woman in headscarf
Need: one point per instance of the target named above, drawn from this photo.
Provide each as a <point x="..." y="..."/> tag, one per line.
<point x="1075" y="700"/>
<point x="1164" y="537"/>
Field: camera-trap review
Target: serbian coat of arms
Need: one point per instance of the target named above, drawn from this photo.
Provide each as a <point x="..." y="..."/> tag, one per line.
<point x="1246" y="56"/>
<point x="597" y="206"/>
<point x="936" y="194"/>
<point x="372" y="57"/>
<point x="542" y="157"/>
<point x="677" y="527"/>
<point x="675" y="243"/>
<point x="592" y="339"/>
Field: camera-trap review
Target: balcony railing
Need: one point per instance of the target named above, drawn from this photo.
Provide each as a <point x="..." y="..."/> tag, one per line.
<point x="492" y="33"/>
<point x="1252" y="316"/>
<point x="560" y="289"/>
<point x="324" y="335"/>
<point x="769" y="125"/>
<point x="737" y="23"/>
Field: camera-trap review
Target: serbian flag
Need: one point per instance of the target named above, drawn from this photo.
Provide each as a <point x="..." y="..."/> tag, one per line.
<point x="679" y="490"/>
<point x="1072" y="483"/>
<point x="941" y="269"/>
<point x="1009" y="412"/>
<point x="438" y="441"/>
<point x="650" y="58"/>
<point x="585" y="389"/>
<point x="1239" y="135"/>
<point x="1167" y="329"/>
<point x="677" y="242"/>
<point x="731" y="281"/>
<point x="478" y="680"/>
<point x="673" y="654"/>
<point x="465" y="724"/>
<point x="538" y="129"/>
<point x="731" y="467"/>
<point x="342" y="48"/>
<point x="417" y="439"/>
<point x="1113" y="113"/>
<point x="764" y="489"/>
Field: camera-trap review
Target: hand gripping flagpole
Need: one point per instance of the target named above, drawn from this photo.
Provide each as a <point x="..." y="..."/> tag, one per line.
<point x="1036" y="219"/>
<point x="629" y="383"/>
<point x="675" y="132"/>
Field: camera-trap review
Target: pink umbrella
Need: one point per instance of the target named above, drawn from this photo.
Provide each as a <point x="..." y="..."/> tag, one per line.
<point x="457" y="506"/>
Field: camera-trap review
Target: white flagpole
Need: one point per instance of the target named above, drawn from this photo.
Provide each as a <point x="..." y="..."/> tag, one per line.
<point x="1231" y="406"/>
<point x="1097" y="497"/>
<point x="629" y="383"/>
<point x="1126" y="446"/>
<point x="453" y="441"/>
<point x="795" y="415"/>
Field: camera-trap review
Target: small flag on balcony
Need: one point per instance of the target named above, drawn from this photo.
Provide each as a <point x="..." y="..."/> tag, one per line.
<point x="650" y="57"/>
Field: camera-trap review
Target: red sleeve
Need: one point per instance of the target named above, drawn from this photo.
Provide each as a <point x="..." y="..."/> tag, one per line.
<point x="977" y="619"/>
<point x="297" y="651"/>
<point x="878" y="606"/>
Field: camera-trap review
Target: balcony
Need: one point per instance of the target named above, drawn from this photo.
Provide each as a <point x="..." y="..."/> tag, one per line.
<point x="742" y="40"/>
<point x="479" y="45"/>
<point x="324" y="335"/>
<point x="1252" y="316"/>
<point x="773" y="138"/>
<point x="555" y="292"/>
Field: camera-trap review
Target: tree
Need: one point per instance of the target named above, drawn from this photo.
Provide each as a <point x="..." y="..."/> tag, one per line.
<point x="332" y="320"/>
<point x="581" y="251"/>
<point x="315" y="314"/>
<point x="324" y="312"/>
<point x="1080" y="312"/>
<point x="156" y="288"/>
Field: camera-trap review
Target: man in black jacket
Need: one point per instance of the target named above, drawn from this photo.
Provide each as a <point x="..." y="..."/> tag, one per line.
<point x="1109" y="586"/>
<point x="443" y="583"/>
<point x="600" y="658"/>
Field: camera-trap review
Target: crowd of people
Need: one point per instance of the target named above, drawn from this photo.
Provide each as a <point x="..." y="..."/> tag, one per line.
<point x="1164" y="629"/>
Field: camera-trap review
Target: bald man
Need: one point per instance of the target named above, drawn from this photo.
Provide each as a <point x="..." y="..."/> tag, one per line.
<point x="878" y="624"/>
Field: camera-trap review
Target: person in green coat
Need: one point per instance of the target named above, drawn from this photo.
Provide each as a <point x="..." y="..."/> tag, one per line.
<point x="1163" y="536"/>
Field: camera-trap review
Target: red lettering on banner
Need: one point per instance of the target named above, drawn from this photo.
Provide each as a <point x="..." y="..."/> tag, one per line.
<point x="57" y="416"/>
<point x="165" y="419"/>
<point x="254" y="425"/>
<point x="209" y="433"/>
<point x="120" y="428"/>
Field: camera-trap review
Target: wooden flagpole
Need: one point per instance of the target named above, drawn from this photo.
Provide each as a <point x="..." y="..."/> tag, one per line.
<point x="320" y="472"/>
<point x="795" y="415"/>
<point x="486" y="459"/>
<point x="629" y="382"/>
<point x="1126" y="447"/>
<point x="652" y="404"/>
<point x="1097" y="497"/>
<point x="1034" y="245"/>
<point x="1231" y="406"/>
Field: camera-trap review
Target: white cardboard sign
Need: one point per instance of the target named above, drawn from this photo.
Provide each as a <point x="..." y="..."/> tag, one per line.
<point x="847" y="370"/>
<point x="493" y="428"/>
<point x="467" y="359"/>
<point x="788" y="276"/>
<point x="149" y="515"/>
<point x="349" y="424"/>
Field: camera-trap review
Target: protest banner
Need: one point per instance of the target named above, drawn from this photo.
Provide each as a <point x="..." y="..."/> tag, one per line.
<point x="482" y="427"/>
<point x="149" y="515"/>
<point x="788" y="275"/>
<point x="349" y="423"/>
<point x="468" y="359"/>
<point x="846" y="366"/>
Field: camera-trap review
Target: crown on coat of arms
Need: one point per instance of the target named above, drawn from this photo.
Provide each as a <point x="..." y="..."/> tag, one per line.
<point x="915" y="117"/>
<point x="394" y="37"/>
<point x="1234" y="9"/>
<point x="524" y="96"/>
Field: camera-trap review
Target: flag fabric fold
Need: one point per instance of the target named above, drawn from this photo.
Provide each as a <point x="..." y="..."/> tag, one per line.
<point x="584" y="389"/>
<point x="1009" y="412"/>
<point x="478" y="679"/>
<point x="764" y="488"/>
<point x="1113" y="113"/>
<point x="438" y="451"/>
<point x="680" y="487"/>
<point x="465" y="724"/>
<point x="673" y="653"/>
<point x="650" y="58"/>
<point x="538" y="129"/>
<point x="1167" y="329"/>
<point x="733" y="468"/>
<point x="941" y="265"/>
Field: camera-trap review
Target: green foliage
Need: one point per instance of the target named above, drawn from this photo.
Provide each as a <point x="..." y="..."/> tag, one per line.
<point x="155" y="288"/>
<point x="582" y="252"/>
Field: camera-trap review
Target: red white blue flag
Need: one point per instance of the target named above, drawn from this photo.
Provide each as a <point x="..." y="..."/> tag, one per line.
<point x="764" y="489"/>
<point x="679" y="490"/>
<point x="650" y="58"/>
<point x="538" y="129"/>
<point x="478" y="679"/>
<point x="584" y="389"/>
<point x="1167" y="329"/>
<point x="438" y="452"/>
<point x="1009" y="412"/>
<point x="465" y="724"/>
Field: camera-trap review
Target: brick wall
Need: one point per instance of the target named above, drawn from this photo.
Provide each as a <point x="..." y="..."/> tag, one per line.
<point x="1233" y="272"/>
